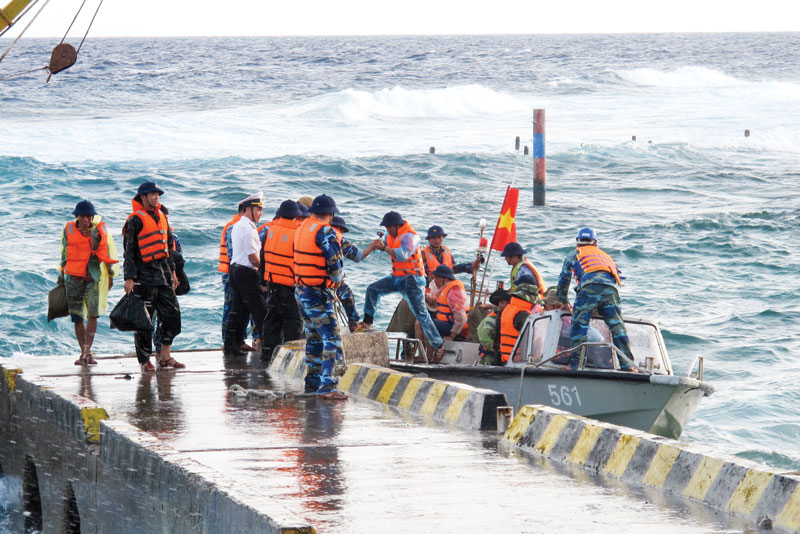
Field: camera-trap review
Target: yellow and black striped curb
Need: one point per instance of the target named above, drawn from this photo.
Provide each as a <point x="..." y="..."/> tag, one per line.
<point x="458" y="404"/>
<point x="734" y="485"/>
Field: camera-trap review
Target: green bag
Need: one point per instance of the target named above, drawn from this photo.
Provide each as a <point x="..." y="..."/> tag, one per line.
<point x="57" y="303"/>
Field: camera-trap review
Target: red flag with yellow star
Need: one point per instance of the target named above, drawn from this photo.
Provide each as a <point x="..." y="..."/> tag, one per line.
<point x="506" y="230"/>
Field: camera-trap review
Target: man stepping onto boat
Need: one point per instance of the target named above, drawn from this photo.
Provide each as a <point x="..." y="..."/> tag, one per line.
<point x="402" y="244"/>
<point x="318" y="271"/>
<point x="88" y="258"/>
<point x="598" y="281"/>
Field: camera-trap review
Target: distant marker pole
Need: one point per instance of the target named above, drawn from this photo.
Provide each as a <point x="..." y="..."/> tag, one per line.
<point x="538" y="157"/>
<point x="432" y="150"/>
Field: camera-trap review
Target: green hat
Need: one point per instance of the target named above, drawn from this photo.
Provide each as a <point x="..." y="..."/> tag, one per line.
<point x="526" y="292"/>
<point x="550" y="296"/>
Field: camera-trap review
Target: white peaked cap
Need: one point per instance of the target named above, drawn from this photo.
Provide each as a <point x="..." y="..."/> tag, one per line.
<point x="256" y="199"/>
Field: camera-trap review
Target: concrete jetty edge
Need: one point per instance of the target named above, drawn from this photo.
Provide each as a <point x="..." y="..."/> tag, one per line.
<point x="768" y="497"/>
<point x="66" y="462"/>
<point x="457" y="404"/>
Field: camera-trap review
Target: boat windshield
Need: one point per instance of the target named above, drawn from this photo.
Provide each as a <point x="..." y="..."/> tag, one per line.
<point x="644" y="343"/>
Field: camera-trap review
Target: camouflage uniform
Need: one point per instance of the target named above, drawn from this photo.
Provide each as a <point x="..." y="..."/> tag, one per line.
<point x="345" y="296"/>
<point x="596" y="291"/>
<point x="323" y="341"/>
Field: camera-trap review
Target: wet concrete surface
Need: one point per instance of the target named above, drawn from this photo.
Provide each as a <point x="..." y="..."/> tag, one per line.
<point x="356" y="466"/>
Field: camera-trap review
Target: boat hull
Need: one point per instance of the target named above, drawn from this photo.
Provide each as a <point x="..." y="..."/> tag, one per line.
<point x="654" y="403"/>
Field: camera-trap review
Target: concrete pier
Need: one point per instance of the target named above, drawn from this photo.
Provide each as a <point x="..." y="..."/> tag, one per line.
<point x="109" y="450"/>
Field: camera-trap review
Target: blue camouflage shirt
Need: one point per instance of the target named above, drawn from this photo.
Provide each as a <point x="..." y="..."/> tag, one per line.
<point x="327" y="240"/>
<point x="597" y="277"/>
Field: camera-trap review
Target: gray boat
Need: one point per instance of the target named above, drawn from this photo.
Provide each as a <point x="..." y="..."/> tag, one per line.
<point x="654" y="399"/>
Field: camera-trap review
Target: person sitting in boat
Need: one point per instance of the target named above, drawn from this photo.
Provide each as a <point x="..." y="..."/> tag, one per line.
<point x="524" y="301"/>
<point x="436" y="254"/>
<point x="353" y="253"/>
<point x="452" y="305"/>
<point x="488" y="326"/>
<point x="408" y="275"/>
<point x="521" y="266"/>
<point x="598" y="281"/>
<point x="88" y="266"/>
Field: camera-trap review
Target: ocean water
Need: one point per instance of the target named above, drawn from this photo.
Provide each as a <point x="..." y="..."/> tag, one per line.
<point x="702" y="219"/>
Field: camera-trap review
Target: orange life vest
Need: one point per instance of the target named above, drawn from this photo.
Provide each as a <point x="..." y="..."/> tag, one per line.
<point x="529" y="264"/>
<point x="431" y="261"/>
<point x="411" y="266"/>
<point x="509" y="334"/>
<point x="268" y="223"/>
<point x="310" y="268"/>
<point x="591" y="259"/>
<point x="153" y="237"/>
<point x="279" y="252"/>
<point x="443" y="310"/>
<point x="79" y="250"/>
<point x="224" y="259"/>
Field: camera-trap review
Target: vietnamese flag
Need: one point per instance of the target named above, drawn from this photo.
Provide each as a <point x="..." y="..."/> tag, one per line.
<point x="506" y="230"/>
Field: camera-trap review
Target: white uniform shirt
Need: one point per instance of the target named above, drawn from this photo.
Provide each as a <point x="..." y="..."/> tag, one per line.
<point x="244" y="240"/>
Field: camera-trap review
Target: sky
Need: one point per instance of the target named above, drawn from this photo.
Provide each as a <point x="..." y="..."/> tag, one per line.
<point x="147" y="18"/>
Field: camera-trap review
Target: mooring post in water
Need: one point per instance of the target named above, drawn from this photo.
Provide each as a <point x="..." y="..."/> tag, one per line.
<point x="432" y="150"/>
<point x="538" y="157"/>
<point x="516" y="143"/>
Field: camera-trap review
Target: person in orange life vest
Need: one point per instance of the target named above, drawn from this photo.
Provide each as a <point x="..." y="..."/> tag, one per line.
<point x="318" y="270"/>
<point x="598" y="281"/>
<point x="248" y="298"/>
<point x="282" y="321"/>
<point x="452" y="305"/>
<point x="436" y="254"/>
<point x="488" y="327"/>
<point x="353" y="253"/>
<point x="514" y="255"/>
<point x="149" y="272"/>
<point x="408" y="275"/>
<point x="224" y="268"/>
<point x="85" y="253"/>
<point x="510" y="321"/>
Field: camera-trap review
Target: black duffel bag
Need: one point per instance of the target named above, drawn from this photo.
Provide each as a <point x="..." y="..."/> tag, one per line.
<point x="130" y="315"/>
<point x="57" y="302"/>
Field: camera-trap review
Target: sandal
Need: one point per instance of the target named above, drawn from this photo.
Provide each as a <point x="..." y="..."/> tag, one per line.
<point x="90" y="359"/>
<point x="172" y="363"/>
<point x="148" y="367"/>
<point x="81" y="361"/>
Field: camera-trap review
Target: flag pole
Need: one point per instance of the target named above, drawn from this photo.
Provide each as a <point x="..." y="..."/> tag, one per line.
<point x="492" y="271"/>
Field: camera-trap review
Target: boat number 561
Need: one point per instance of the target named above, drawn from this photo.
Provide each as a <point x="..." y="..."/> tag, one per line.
<point x="564" y="395"/>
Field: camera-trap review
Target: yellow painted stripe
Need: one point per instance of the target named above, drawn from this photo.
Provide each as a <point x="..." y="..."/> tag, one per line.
<point x="551" y="434"/>
<point x="456" y="405"/>
<point x="347" y="380"/>
<point x="516" y="430"/>
<point x="432" y="400"/>
<point x="622" y="455"/>
<point x="789" y="518"/>
<point x="10" y="375"/>
<point x="91" y="422"/>
<point x="661" y="465"/>
<point x="703" y="477"/>
<point x="411" y="391"/>
<point x="369" y="381"/>
<point x="586" y="442"/>
<point x="388" y="388"/>
<point x="749" y="492"/>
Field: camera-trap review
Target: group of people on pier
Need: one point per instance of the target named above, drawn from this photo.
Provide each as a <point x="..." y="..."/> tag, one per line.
<point x="286" y="278"/>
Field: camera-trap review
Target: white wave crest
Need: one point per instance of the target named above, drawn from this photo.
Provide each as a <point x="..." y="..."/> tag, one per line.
<point x="680" y="77"/>
<point x="399" y="102"/>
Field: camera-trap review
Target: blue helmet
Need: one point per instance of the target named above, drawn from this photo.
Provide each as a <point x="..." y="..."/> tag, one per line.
<point x="586" y="234"/>
<point x="323" y="205"/>
<point x="512" y="249"/>
<point x="392" y="218"/>
<point x="84" y="207"/>
<point x="435" y="231"/>
<point x="288" y="210"/>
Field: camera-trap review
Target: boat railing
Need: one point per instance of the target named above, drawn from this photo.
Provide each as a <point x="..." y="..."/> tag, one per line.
<point x="616" y="355"/>
<point x="411" y="346"/>
<point x="698" y="361"/>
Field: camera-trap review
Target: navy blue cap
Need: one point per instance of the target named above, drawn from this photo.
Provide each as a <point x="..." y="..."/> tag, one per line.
<point x="444" y="271"/>
<point x="435" y="231"/>
<point x="323" y="205"/>
<point x="393" y="218"/>
<point x="288" y="210"/>
<point x="499" y="296"/>
<point x="513" y="249"/>
<point x="148" y="187"/>
<point x="525" y="279"/>
<point x="84" y="207"/>
<point x="338" y="222"/>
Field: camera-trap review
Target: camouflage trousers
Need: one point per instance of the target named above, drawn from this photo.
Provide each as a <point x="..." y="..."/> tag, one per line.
<point x="345" y="295"/>
<point x="323" y="342"/>
<point x="605" y="300"/>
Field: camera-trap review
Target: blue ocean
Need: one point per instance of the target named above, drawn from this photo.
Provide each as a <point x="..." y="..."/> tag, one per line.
<point x="700" y="217"/>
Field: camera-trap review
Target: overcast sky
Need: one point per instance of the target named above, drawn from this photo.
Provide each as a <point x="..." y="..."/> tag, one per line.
<point x="379" y="17"/>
